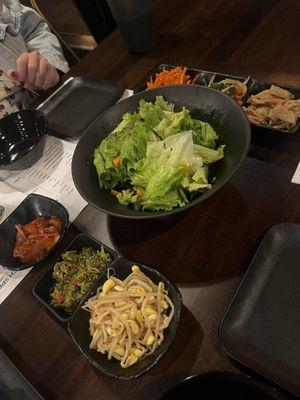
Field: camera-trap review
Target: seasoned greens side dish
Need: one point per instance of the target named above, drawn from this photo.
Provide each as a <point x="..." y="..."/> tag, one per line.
<point x="75" y="275"/>
<point x="156" y="158"/>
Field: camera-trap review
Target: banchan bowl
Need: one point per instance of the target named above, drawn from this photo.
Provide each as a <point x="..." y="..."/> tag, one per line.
<point x="218" y="385"/>
<point x="32" y="207"/>
<point x="225" y="115"/>
<point x="22" y="139"/>
<point x="43" y="288"/>
<point x="79" y="325"/>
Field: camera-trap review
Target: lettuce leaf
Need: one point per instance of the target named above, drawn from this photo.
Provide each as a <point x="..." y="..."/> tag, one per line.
<point x="157" y="156"/>
<point x="204" y="134"/>
<point x="161" y="174"/>
<point x="208" y="155"/>
<point x="172" y="123"/>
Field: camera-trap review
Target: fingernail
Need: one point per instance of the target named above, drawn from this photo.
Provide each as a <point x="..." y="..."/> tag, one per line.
<point x="22" y="83"/>
<point x="13" y="74"/>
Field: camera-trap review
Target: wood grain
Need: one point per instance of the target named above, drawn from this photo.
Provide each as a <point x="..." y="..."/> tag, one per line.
<point x="205" y="251"/>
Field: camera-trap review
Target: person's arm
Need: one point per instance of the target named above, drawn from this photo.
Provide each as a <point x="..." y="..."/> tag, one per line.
<point x="38" y="68"/>
<point x="38" y="37"/>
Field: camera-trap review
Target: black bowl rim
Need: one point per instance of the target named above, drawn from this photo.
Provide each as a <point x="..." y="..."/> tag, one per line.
<point x="47" y="305"/>
<point x="178" y="313"/>
<point x="63" y="231"/>
<point x="43" y="133"/>
<point x="161" y="214"/>
<point x="234" y="377"/>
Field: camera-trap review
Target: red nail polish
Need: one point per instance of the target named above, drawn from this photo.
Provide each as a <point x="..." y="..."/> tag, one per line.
<point x="22" y="83"/>
<point x="13" y="74"/>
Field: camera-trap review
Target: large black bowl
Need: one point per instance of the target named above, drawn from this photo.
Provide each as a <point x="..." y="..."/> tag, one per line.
<point x="225" y="115"/>
<point x="22" y="139"/>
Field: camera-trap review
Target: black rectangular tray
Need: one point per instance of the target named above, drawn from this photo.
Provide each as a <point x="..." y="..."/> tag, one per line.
<point x="254" y="86"/>
<point x="258" y="86"/>
<point x="75" y="105"/>
<point x="13" y="385"/>
<point x="43" y="287"/>
<point x="261" y="327"/>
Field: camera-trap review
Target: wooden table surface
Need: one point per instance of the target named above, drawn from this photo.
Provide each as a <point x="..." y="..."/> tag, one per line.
<point x="206" y="251"/>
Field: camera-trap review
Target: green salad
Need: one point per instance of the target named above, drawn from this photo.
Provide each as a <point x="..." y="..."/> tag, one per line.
<point x="156" y="158"/>
<point x="75" y="275"/>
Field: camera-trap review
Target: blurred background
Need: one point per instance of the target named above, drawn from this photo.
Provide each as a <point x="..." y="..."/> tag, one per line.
<point x="79" y="24"/>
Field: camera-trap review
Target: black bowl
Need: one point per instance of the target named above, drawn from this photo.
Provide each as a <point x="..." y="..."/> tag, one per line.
<point x="225" y="115"/>
<point x="219" y="385"/>
<point x="32" y="207"/>
<point x="79" y="326"/>
<point x="22" y="139"/>
<point x="43" y="287"/>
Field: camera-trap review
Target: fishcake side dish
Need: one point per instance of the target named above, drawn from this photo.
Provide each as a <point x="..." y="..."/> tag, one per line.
<point x="75" y="275"/>
<point x="275" y="107"/>
<point x="128" y="317"/>
<point x="157" y="158"/>
<point x="36" y="238"/>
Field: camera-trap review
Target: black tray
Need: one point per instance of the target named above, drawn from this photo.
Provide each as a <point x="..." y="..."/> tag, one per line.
<point x="254" y="86"/>
<point x="13" y="385"/>
<point x="258" y="86"/>
<point x="261" y="327"/>
<point x="77" y="103"/>
<point x="42" y="288"/>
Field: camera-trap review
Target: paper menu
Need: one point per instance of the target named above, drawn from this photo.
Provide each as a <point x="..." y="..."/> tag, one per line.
<point x="9" y="199"/>
<point x="51" y="176"/>
<point x="296" y="176"/>
<point x="9" y="280"/>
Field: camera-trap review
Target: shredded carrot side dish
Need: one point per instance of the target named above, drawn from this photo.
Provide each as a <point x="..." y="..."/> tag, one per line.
<point x="174" y="76"/>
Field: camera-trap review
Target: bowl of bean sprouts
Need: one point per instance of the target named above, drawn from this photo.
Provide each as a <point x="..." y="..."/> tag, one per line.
<point x="128" y="320"/>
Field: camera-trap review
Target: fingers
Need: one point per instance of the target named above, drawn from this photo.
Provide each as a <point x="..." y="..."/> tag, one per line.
<point x="32" y="67"/>
<point x="22" y="65"/>
<point x="35" y="71"/>
<point x="51" y="77"/>
<point x="42" y="72"/>
<point x="12" y="74"/>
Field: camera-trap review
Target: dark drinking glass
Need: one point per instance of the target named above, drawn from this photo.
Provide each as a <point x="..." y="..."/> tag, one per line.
<point x="135" y="19"/>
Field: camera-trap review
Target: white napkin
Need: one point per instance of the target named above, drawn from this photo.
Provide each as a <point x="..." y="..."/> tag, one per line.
<point x="296" y="176"/>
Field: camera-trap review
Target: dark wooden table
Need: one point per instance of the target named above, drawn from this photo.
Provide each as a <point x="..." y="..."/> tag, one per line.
<point x="206" y="251"/>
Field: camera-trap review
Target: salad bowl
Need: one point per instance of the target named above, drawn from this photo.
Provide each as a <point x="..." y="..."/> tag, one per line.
<point x="224" y="115"/>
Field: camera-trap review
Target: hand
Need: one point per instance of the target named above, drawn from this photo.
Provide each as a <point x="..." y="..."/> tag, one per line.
<point x="34" y="72"/>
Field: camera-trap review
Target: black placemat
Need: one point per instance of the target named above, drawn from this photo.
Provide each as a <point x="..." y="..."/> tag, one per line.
<point x="77" y="103"/>
<point x="261" y="328"/>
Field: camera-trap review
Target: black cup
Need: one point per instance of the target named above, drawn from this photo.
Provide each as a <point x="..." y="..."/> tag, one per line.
<point x="136" y="21"/>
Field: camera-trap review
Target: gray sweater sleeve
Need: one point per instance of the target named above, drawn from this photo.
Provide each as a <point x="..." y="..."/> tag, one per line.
<point x="38" y="37"/>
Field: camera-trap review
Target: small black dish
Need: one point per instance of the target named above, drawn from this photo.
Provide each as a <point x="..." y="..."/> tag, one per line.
<point x="218" y="385"/>
<point x="261" y="327"/>
<point x="79" y="326"/>
<point x="77" y="103"/>
<point x="43" y="287"/>
<point x="22" y="139"/>
<point x="194" y="73"/>
<point x="254" y="86"/>
<point x="258" y="86"/>
<point x="203" y="78"/>
<point x="32" y="207"/>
